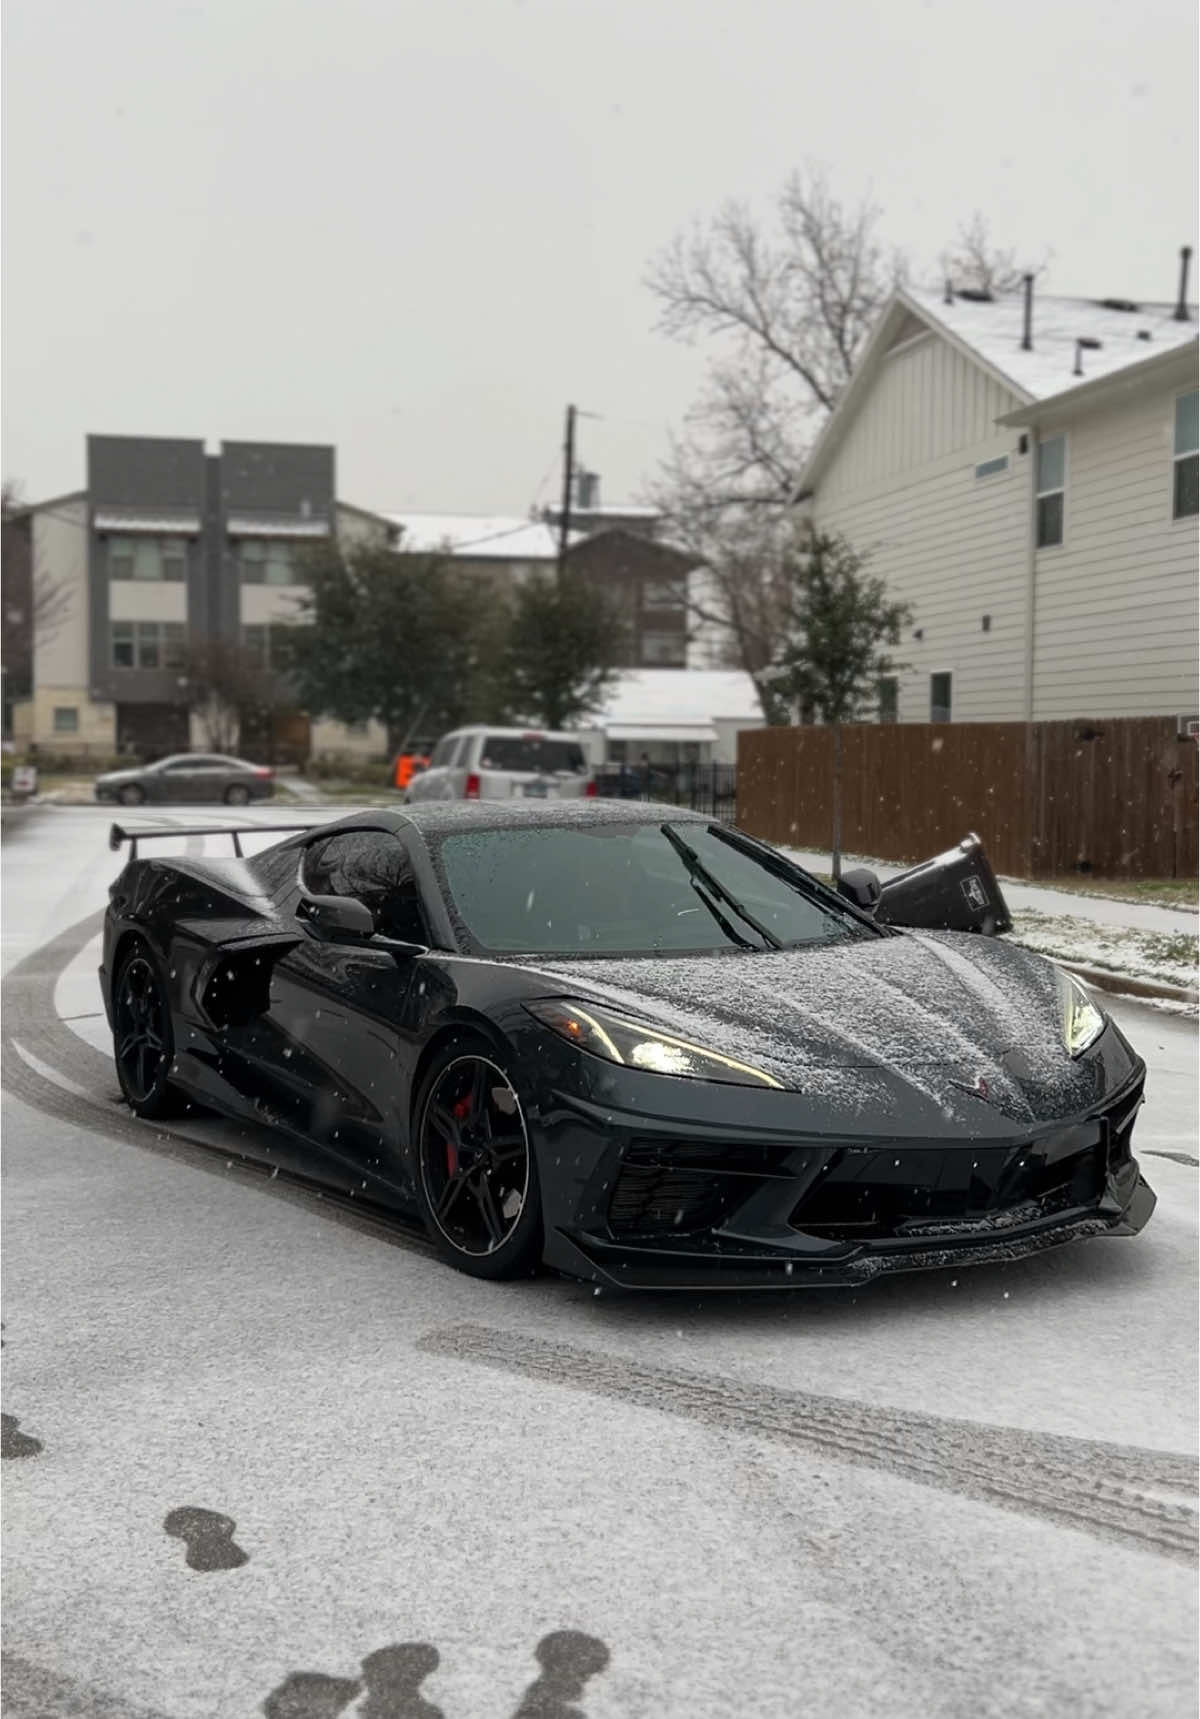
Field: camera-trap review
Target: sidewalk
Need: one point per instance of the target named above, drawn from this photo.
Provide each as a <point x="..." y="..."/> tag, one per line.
<point x="1154" y="950"/>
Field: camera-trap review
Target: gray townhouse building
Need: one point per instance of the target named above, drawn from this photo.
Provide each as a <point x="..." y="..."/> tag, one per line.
<point x="170" y="546"/>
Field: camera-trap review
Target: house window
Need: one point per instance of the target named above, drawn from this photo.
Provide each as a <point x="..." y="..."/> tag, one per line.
<point x="66" y="719"/>
<point x="990" y="468"/>
<point x="267" y="561"/>
<point x="939" y="697"/>
<point x="1051" y="484"/>
<point x="148" y="644"/>
<point x="1186" y="496"/>
<point x="889" y="698"/>
<point x="664" y="593"/>
<point x="147" y="558"/>
<point x="667" y="650"/>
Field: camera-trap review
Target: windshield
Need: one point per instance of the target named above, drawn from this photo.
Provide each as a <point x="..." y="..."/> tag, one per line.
<point x="530" y="752"/>
<point x="626" y="889"/>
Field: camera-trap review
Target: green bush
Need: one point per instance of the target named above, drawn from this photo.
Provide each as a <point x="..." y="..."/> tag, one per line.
<point x="343" y="767"/>
<point x="75" y="763"/>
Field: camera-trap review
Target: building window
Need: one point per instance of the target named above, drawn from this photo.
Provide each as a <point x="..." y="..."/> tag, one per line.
<point x="267" y="561"/>
<point x="1051" y="485"/>
<point x="990" y="468"/>
<point x="149" y="644"/>
<point x="666" y="650"/>
<point x="664" y="593"/>
<point x="889" y="698"/>
<point x="939" y="697"/>
<point x="66" y="719"/>
<point x="147" y="558"/>
<point x="1186" y="498"/>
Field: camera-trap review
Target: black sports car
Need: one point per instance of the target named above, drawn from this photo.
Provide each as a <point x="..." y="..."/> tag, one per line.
<point x="630" y="1043"/>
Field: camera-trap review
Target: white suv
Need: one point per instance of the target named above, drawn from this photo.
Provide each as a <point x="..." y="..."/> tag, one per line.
<point x="504" y="764"/>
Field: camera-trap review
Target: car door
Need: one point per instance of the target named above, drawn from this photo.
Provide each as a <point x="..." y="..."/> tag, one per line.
<point x="175" y="779"/>
<point x="444" y="779"/>
<point x="333" y="1045"/>
<point x="211" y="777"/>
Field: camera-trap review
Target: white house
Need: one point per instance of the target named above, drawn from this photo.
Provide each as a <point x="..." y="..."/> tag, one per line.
<point x="672" y="716"/>
<point x="1023" y="472"/>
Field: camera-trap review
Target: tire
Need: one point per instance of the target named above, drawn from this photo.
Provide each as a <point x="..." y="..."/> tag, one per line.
<point x="477" y="1180"/>
<point x="237" y="795"/>
<point x="132" y="795"/>
<point x="143" y="1042"/>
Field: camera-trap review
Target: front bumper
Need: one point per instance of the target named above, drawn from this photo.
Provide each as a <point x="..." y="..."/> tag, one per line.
<point x="712" y="1211"/>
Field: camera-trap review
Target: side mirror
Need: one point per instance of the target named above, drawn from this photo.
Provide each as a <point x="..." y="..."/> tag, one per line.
<point x="337" y="915"/>
<point x="861" y="887"/>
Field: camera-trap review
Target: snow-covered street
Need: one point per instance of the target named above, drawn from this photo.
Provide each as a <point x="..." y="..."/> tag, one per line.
<point x="946" y="1495"/>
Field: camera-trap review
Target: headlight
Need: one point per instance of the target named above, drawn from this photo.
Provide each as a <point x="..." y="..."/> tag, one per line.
<point x="1082" y="1021"/>
<point x="636" y="1044"/>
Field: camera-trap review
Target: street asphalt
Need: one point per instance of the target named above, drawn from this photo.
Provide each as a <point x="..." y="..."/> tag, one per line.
<point x="265" y="1456"/>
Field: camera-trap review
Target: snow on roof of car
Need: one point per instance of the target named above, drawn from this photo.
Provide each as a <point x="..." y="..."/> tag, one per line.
<point x="453" y="816"/>
<point x="994" y="329"/>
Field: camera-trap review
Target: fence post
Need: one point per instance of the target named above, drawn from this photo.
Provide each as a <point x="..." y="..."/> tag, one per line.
<point x="836" y="858"/>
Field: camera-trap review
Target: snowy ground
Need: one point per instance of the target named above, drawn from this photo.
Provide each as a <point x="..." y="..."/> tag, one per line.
<point x="947" y="1495"/>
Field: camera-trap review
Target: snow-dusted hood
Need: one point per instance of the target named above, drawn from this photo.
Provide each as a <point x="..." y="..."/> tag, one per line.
<point x="937" y="1010"/>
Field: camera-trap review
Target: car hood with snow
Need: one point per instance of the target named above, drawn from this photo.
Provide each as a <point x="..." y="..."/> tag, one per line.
<point x="938" y="1015"/>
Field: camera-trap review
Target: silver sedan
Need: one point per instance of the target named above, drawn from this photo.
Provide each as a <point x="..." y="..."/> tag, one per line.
<point x="189" y="777"/>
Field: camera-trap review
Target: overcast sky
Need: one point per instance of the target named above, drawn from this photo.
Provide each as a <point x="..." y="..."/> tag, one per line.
<point x="416" y="230"/>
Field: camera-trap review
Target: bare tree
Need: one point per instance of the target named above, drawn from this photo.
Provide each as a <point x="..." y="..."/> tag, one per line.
<point x="225" y="687"/>
<point x="35" y="604"/>
<point x="974" y="264"/>
<point x="788" y="306"/>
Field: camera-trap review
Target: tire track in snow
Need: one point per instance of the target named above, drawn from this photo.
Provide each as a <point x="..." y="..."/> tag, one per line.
<point x="1136" y="1497"/>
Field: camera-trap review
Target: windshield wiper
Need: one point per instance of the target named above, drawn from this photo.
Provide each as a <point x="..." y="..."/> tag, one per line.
<point x="699" y="873"/>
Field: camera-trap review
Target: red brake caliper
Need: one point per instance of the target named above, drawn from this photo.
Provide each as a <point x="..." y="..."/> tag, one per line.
<point x="461" y="1111"/>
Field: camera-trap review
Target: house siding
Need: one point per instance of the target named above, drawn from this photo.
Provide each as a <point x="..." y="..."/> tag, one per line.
<point x="1115" y="606"/>
<point x="60" y="556"/>
<point x="1117" y="610"/>
<point x="901" y="486"/>
<point x="928" y="402"/>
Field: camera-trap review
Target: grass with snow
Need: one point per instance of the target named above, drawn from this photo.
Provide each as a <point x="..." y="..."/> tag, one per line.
<point x="1149" y="955"/>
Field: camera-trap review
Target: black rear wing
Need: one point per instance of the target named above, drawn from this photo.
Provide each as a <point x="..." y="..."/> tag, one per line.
<point x="117" y="836"/>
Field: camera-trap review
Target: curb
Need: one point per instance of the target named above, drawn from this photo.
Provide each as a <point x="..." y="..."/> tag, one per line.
<point x="1125" y="985"/>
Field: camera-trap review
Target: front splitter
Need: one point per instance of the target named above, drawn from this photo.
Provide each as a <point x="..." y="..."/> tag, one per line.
<point x="615" y="1265"/>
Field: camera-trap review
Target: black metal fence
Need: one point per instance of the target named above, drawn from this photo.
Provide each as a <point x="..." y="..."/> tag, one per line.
<point x="709" y="788"/>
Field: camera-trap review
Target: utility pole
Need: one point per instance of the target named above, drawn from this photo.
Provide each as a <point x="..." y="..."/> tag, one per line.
<point x="564" y="524"/>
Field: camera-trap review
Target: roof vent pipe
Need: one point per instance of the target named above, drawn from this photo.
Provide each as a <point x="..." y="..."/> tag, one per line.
<point x="1027" y="334"/>
<point x="1084" y="344"/>
<point x="1181" y="309"/>
<point x="948" y="292"/>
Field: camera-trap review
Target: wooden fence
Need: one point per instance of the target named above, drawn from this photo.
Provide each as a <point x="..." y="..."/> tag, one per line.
<point x="1114" y="797"/>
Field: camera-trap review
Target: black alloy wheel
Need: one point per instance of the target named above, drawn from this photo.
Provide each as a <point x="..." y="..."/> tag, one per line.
<point x="236" y="795"/>
<point x="477" y="1177"/>
<point x="132" y="795"/>
<point x="143" y="1044"/>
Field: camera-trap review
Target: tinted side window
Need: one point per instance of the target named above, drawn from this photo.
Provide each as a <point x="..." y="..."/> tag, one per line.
<point x="530" y="752"/>
<point x="371" y="866"/>
<point x="462" y="754"/>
